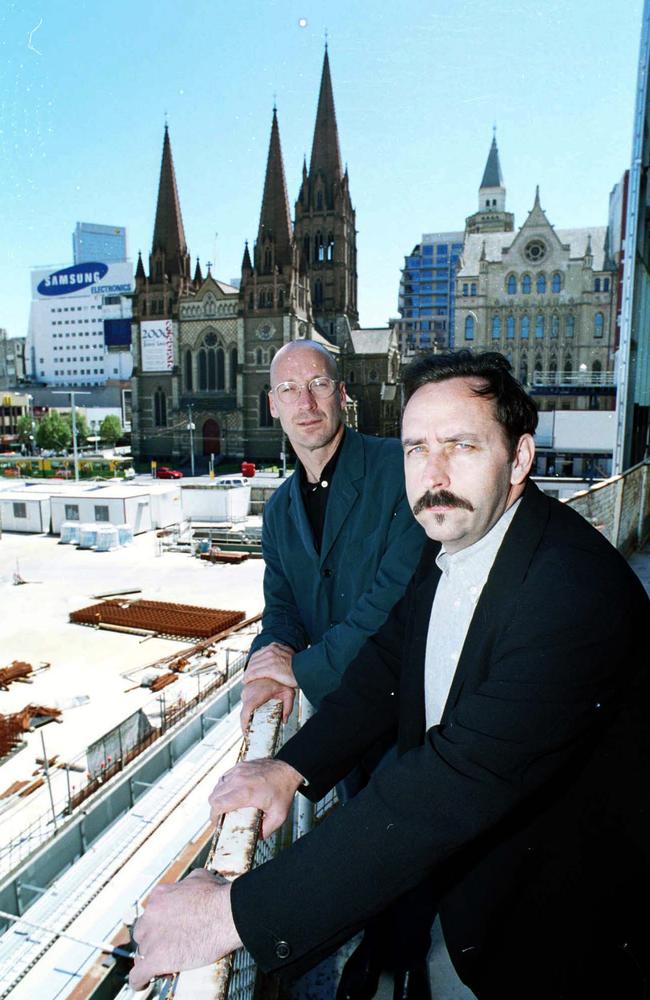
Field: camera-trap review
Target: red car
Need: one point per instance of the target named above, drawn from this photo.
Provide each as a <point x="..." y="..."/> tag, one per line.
<point x="163" y="472"/>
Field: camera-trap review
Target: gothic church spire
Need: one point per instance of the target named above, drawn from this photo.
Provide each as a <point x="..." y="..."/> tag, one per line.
<point x="325" y="150"/>
<point x="168" y="234"/>
<point x="275" y="218"/>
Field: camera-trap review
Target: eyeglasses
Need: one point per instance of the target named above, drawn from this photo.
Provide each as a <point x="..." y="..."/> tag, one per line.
<point x="321" y="387"/>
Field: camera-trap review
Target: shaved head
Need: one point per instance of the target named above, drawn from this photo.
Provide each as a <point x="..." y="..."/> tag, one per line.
<point x="299" y="347"/>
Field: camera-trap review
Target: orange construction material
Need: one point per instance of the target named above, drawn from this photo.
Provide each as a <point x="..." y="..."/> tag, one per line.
<point x="160" y="617"/>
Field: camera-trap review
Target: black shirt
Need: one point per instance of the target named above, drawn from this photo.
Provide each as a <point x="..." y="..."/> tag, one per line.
<point x="315" y="495"/>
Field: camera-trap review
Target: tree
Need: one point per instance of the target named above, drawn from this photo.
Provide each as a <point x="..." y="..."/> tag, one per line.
<point x="110" y="430"/>
<point x="83" y="428"/>
<point x="25" y="428"/>
<point x="53" y="432"/>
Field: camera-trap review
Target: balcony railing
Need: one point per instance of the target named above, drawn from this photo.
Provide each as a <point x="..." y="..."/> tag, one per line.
<point x="575" y="379"/>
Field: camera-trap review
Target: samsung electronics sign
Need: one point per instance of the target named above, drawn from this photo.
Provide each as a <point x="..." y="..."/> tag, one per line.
<point x="92" y="278"/>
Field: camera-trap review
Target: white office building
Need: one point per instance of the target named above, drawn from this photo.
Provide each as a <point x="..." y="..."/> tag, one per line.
<point x="80" y="324"/>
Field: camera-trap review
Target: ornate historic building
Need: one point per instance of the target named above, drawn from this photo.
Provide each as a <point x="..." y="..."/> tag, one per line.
<point x="543" y="298"/>
<point x="369" y="366"/>
<point x="326" y="226"/>
<point x="202" y="348"/>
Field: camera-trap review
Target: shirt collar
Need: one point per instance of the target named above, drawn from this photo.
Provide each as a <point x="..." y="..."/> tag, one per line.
<point x="475" y="562"/>
<point x="327" y="472"/>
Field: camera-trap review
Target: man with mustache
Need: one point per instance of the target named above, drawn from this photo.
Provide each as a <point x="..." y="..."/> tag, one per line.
<point x="516" y="671"/>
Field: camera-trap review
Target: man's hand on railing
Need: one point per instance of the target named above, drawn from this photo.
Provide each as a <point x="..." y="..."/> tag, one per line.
<point x="258" y="692"/>
<point x="268" y="785"/>
<point x="184" y="926"/>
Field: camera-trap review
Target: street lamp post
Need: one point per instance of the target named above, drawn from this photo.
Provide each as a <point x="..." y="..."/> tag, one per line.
<point x="72" y="393"/>
<point x="190" y="427"/>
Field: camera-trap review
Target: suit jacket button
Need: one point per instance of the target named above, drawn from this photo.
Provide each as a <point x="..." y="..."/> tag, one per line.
<point x="327" y="572"/>
<point x="282" y="949"/>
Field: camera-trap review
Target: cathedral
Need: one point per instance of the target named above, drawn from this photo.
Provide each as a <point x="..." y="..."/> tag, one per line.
<point x="202" y="348"/>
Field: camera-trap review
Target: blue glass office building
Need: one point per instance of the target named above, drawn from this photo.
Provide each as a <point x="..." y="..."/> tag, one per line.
<point x="427" y="293"/>
<point x="106" y="244"/>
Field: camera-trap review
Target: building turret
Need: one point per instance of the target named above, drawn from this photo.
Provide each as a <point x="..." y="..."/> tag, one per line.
<point x="491" y="216"/>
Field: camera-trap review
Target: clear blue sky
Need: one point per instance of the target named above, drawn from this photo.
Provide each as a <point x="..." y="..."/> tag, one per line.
<point x="84" y="88"/>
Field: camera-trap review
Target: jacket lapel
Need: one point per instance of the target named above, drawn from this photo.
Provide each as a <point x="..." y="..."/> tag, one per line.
<point x="350" y="467"/>
<point x="412" y="720"/>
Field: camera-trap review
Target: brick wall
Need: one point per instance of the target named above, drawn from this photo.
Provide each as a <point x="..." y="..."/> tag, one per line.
<point x="619" y="507"/>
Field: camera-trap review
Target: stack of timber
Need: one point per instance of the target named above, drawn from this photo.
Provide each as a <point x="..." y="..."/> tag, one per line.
<point x="158" y="617"/>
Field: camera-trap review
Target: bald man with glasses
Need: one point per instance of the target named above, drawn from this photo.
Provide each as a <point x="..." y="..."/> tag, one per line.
<point x="339" y="541"/>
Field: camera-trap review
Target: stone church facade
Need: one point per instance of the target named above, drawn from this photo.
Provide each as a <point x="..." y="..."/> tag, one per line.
<point x="202" y="348"/>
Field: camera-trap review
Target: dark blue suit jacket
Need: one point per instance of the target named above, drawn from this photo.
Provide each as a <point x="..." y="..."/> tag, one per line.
<point x="326" y="605"/>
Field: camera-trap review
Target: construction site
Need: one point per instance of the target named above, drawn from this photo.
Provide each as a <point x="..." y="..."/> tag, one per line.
<point x="119" y="691"/>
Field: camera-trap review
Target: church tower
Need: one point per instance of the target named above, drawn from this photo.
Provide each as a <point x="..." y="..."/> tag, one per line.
<point x="274" y="303"/>
<point x="325" y="224"/>
<point x="155" y="381"/>
<point x="491" y="216"/>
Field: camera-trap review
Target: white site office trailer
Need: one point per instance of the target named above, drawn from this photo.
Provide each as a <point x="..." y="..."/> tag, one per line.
<point x="215" y="502"/>
<point x="103" y="505"/>
<point x="22" y="510"/>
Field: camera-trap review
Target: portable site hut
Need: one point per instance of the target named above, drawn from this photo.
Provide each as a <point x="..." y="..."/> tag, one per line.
<point x="22" y="510"/>
<point x="165" y="500"/>
<point x="114" y="504"/>
<point x="216" y="501"/>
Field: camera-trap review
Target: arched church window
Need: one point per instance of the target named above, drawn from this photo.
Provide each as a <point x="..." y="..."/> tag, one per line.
<point x="555" y="326"/>
<point x="259" y="356"/>
<point x="539" y="326"/>
<point x="212" y="370"/>
<point x="159" y="408"/>
<point x="265" y="418"/>
<point x="556" y="282"/>
<point x="511" y="285"/>
<point x="510" y="328"/>
<point x="496" y="327"/>
<point x="541" y="284"/>
<point x="469" y="328"/>
<point x="319" y="250"/>
<point x="267" y="259"/>
<point x="221" y="368"/>
<point x="570" y="326"/>
<point x="599" y="324"/>
<point x="319" y="201"/>
<point x="568" y="370"/>
<point x="233" y="368"/>
<point x="525" y="327"/>
<point x="203" y="371"/>
<point x="330" y="246"/>
<point x="526" y="284"/>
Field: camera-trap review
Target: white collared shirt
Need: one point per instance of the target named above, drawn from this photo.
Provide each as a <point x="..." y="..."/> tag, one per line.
<point x="464" y="574"/>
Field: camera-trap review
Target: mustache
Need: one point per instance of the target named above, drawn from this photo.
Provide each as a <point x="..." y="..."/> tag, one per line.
<point x="442" y="498"/>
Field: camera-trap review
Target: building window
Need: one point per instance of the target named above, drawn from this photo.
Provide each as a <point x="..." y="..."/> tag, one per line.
<point x="526" y="284"/>
<point x="556" y="282"/>
<point x="555" y="326"/>
<point x="259" y="356"/>
<point x="71" y="511"/>
<point x="319" y="250"/>
<point x="159" y="408"/>
<point x="596" y="284"/>
<point x="188" y="371"/>
<point x="203" y="371"/>
<point x="541" y="284"/>
<point x="599" y="324"/>
<point x="496" y="327"/>
<point x="212" y="370"/>
<point x="221" y="368"/>
<point x="20" y="509"/>
<point x="265" y="418"/>
<point x="101" y="512"/>
<point x="318" y="292"/>
<point x="525" y="327"/>
<point x="511" y="286"/>
<point x="568" y="370"/>
<point x="510" y="328"/>
<point x="469" y="328"/>
<point x="233" y="368"/>
<point x="472" y="289"/>
<point x="465" y="289"/>
<point x="570" y="326"/>
<point x="605" y="284"/>
<point x="539" y="326"/>
<point x="330" y="246"/>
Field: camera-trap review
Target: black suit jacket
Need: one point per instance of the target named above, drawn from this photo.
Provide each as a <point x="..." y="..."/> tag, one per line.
<point x="526" y="809"/>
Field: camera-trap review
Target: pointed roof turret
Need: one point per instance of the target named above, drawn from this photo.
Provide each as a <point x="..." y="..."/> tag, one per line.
<point x="325" y="150"/>
<point x="492" y="176"/>
<point x="246" y="260"/>
<point x="275" y="218"/>
<point x="198" y="276"/>
<point x="168" y="234"/>
<point x="139" y="271"/>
